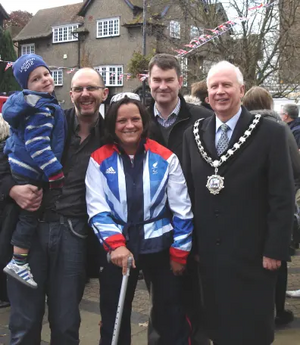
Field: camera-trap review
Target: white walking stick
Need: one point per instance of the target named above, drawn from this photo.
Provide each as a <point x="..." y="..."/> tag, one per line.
<point x="120" y="307"/>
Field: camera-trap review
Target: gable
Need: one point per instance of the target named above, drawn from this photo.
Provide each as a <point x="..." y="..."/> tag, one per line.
<point x="41" y="24"/>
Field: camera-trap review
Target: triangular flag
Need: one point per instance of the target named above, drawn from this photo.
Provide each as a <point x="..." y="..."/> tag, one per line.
<point x="9" y="64"/>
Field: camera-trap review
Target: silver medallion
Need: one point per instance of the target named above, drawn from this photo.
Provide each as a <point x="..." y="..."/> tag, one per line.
<point x="215" y="183"/>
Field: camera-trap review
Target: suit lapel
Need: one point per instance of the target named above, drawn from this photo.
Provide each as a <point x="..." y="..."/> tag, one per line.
<point x="241" y="126"/>
<point x="207" y="135"/>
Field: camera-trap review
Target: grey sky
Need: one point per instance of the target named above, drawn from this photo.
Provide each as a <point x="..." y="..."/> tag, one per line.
<point x="32" y="6"/>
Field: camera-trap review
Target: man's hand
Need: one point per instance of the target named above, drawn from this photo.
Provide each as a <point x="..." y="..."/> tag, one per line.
<point x="177" y="268"/>
<point x="271" y="264"/>
<point x="120" y="257"/>
<point x="27" y="196"/>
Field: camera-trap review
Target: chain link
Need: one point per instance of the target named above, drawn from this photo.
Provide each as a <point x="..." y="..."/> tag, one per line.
<point x="217" y="163"/>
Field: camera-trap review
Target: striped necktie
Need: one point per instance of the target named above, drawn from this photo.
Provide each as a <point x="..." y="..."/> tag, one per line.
<point x="223" y="142"/>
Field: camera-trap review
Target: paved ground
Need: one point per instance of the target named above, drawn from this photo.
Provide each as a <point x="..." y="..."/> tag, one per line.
<point x="89" y="332"/>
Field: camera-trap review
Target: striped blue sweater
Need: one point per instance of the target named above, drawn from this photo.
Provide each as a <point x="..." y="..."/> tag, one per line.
<point x="38" y="130"/>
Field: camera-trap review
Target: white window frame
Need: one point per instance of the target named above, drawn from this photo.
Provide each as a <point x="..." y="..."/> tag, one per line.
<point x="108" y="27"/>
<point x="27" y="48"/>
<point x="58" y="77"/>
<point x="174" y="29"/>
<point x="63" y="33"/>
<point x="112" y="74"/>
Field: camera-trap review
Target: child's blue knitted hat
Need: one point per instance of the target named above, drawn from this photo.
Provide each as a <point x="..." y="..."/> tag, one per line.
<point x="25" y="65"/>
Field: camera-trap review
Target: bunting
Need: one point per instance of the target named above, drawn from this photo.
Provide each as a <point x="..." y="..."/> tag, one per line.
<point x="8" y="65"/>
<point x="196" y="43"/>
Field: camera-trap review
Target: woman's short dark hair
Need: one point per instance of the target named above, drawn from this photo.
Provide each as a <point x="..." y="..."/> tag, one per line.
<point x="112" y="114"/>
<point x="258" y="98"/>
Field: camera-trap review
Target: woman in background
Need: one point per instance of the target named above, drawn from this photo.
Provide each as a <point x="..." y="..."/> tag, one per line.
<point x="259" y="101"/>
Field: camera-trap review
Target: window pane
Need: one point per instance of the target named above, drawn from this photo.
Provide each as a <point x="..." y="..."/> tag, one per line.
<point x="55" y="35"/>
<point x="57" y="77"/>
<point x="112" y="75"/>
<point x="120" y="76"/>
<point x="64" y="34"/>
<point x="100" y="26"/>
<point x="108" y="27"/>
<point x="27" y="48"/>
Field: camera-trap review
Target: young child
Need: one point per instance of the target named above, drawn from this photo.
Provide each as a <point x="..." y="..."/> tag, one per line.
<point x="34" y="149"/>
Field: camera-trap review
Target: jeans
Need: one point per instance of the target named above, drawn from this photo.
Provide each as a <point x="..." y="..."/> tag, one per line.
<point x="26" y="227"/>
<point x="28" y="221"/>
<point x="57" y="260"/>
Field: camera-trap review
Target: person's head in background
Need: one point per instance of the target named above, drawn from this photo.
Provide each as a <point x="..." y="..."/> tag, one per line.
<point x="4" y="129"/>
<point x="258" y="98"/>
<point x="289" y="112"/>
<point x="199" y="90"/>
<point x="32" y="73"/>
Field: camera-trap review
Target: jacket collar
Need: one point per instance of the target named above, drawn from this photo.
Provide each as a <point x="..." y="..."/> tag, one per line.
<point x="208" y="130"/>
<point x="183" y="114"/>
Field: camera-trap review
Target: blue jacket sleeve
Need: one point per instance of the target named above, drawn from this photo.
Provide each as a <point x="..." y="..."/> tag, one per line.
<point x="37" y="137"/>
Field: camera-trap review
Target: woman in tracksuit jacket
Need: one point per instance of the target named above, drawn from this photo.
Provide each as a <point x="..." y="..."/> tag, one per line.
<point x="138" y="206"/>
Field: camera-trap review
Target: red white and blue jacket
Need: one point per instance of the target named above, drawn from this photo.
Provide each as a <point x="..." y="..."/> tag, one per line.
<point x="145" y="201"/>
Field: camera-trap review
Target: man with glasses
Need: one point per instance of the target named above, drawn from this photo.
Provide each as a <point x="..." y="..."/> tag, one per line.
<point x="58" y="253"/>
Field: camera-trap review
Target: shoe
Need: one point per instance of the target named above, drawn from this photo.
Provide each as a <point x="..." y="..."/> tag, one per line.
<point x="4" y="304"/>
<point x="21" y="273"/>
<point x="295" y="293"/>
<point x="284" y="317"/>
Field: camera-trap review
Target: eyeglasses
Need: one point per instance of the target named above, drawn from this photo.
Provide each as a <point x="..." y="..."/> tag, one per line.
<point x="122" y="95"/>
<point x="90" y="88"/>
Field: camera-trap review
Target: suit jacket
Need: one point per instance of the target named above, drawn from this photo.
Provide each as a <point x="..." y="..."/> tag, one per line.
<point x="250" y="218"/>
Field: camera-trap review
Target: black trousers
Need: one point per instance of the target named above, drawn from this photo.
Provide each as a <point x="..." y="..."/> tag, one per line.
<point x="3" y="288"/>
<point x="191" y="295"/>
<point x="167" y="313"/>
<point x="192" y="301"/>
<point x="281" y="286"/>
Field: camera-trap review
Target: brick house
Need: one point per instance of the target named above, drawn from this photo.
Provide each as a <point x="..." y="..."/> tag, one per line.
<point x="104" y="35"/>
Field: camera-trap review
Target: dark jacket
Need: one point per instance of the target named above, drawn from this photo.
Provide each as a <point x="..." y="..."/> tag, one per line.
<point x="7" y="182"/>
<point x="295" y="128"/>
<point x="252" y="217"/>
<point x="188" y="114"/>
<point x="8" y="217"/>
<point x="293" y="149"/>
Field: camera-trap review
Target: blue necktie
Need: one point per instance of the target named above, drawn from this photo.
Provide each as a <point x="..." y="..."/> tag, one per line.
<point x="223" y="142"/>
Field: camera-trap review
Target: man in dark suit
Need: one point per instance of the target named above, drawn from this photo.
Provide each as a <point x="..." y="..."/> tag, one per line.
<point x="171" y="116"/>
<point x="240" y="180"/>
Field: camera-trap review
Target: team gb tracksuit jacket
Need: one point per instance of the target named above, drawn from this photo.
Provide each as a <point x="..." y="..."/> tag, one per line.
<point x="143" y="204"/>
